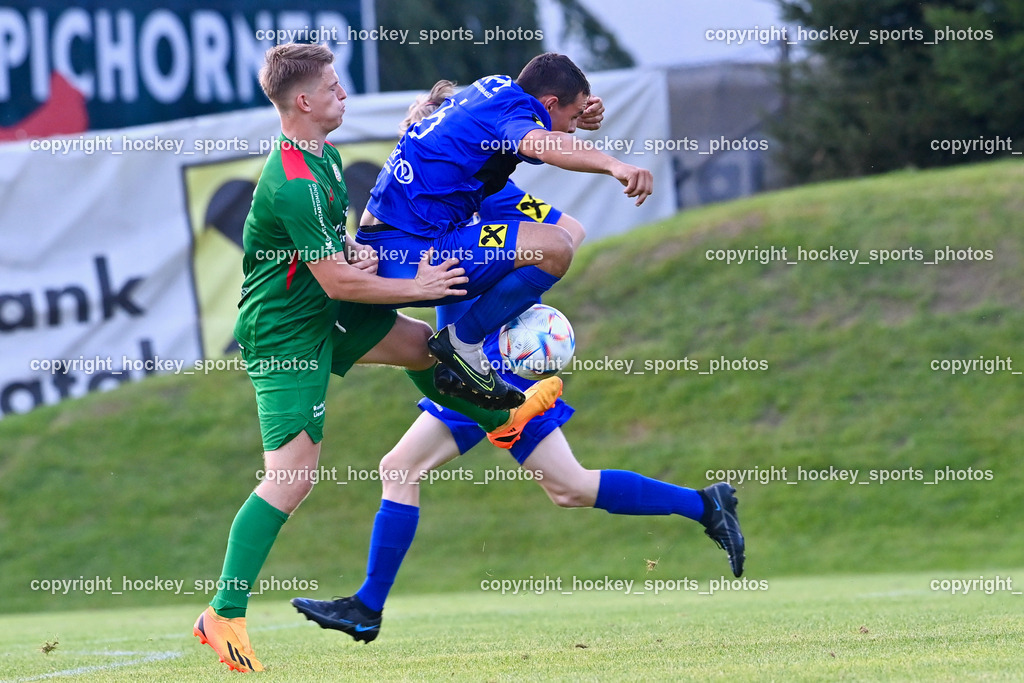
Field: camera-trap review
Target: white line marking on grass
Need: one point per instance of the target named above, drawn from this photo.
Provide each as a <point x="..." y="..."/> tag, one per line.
<point x="186" y="635"/>
<point x="146" y="659"/>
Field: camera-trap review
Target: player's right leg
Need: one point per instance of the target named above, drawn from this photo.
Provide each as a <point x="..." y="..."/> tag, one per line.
<point x="222" y="625"/>
<point x="291" y="410"/>
<point x="426" y="445"/>
<point x="569" y="484"/>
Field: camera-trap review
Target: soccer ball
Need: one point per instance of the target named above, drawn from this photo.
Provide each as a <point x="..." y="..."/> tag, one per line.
<point x="538" y="344"/>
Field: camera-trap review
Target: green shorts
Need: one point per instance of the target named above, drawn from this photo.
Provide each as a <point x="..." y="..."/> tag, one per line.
<point x="290" y="391"/>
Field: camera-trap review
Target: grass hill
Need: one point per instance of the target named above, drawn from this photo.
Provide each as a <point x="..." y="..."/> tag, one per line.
<point x="143" y="482"/>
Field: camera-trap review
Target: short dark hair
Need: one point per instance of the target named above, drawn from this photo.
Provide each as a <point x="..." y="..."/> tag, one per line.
<point x="553" y="74"/>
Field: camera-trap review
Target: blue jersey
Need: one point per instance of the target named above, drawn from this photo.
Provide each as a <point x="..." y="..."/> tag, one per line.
<point x="445" y="165"/>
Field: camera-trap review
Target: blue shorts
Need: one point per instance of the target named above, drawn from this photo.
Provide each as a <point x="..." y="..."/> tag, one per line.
<point x="468" y="433"/>
<point x="487" y="251"/>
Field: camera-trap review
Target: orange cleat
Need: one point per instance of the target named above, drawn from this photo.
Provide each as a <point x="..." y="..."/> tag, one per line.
<point x="228" y="639"/>
<point x="539" y="398"/>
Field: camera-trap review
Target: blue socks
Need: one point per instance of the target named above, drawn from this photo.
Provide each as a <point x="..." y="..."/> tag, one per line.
<point x="620" y="493"/>
<point x="629" y="493"/>
<point x="393" y="530"/>
<point x="509" y="297"/>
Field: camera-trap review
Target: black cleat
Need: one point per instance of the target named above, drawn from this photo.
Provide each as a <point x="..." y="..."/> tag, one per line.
<point x="448" y="383"/>
<point x="348" y="615"/>
<point x="487" y="391"/>
<point x="722" y="525"/>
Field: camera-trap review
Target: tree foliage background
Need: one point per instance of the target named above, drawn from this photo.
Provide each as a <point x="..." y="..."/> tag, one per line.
<point x="417" y="67"/>
<point x="853" y="109"/>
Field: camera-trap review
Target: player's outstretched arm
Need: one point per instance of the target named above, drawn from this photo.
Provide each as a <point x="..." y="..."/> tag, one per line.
<point x="345" y="282"/>
<point x="559" y="149"/>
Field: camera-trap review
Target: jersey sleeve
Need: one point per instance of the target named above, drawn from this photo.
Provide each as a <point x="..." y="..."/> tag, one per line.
<point x="301" y="209"/>
<point x="521" y="115"/>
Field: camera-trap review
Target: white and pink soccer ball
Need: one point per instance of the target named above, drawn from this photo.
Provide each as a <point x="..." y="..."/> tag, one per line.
<point x="538" y="344"/>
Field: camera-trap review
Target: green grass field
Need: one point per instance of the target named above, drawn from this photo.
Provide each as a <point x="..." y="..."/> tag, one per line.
<point x="868" y="628"/>
<point x="143" y="482"/>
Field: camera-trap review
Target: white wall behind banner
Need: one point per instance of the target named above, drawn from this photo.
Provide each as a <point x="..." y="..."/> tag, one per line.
<point x="119" y="251"/>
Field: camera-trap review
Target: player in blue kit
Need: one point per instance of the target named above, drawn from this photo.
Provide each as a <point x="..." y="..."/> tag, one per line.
<point x="438" y="176"/>
<point x="440" y="435"/>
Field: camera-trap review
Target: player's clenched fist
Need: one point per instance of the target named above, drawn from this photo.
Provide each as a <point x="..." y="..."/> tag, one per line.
<point x="593" y="115"/>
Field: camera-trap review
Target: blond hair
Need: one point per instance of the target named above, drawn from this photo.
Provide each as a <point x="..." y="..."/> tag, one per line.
<point x="426" y="104"/>
<point x="290" y="64"/>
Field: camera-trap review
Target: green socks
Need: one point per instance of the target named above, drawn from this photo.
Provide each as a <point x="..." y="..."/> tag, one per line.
<point x="489" y="420"/>
<point x="252" y="534"/>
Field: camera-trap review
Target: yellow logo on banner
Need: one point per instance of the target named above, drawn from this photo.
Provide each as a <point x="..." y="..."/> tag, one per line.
<point x="535" y="209"/>
<point x="493" y="235"/>
<point x="218" y="196"/>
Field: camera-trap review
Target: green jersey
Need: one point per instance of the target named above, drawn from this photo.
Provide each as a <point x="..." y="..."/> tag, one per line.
<point x="297" y="215"/>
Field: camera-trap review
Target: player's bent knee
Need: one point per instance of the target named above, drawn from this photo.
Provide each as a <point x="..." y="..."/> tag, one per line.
<point x="558" y="253"/>
<point x="301" y="489"/>
<point x="392" y="468"/>
<point x="567" y="497"/>
<point x="283" y="494"/>
<point x="420" y="330"/>
<point x="419" y="355"/>
<point x="406" y="345"/>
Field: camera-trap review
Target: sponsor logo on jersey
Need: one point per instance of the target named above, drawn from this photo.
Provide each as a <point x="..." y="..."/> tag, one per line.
<point x="492" y="235"/>
<point x="535" y="209"/>
<point x="403" y="172"/>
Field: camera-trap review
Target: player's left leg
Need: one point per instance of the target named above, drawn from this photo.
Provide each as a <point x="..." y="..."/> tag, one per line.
<point x="542" y="255"/>
<point x="290" y="400"/>
<point x="427" y="444"/>
<point x="510" y="265"/>
<point x="620" y="492"/>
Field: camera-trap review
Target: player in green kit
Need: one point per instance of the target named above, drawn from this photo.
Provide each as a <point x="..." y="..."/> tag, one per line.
<point x="307" y="311"/>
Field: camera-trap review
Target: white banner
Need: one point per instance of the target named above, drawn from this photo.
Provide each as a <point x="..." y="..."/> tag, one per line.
<point x="120" y="250"/>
